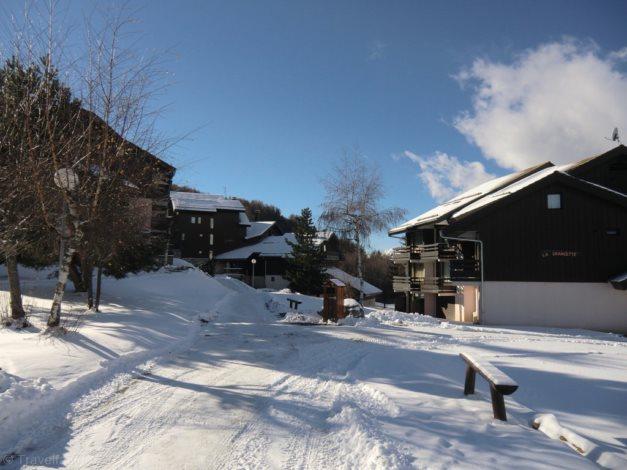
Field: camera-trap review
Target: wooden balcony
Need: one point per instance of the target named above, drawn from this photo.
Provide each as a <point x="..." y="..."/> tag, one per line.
<point x="437" y="252"/>
<point x="438" y="285"/>
<point x="401" y="255"/>
<point x="465" y="270"/>
<point x="406" y="284"/>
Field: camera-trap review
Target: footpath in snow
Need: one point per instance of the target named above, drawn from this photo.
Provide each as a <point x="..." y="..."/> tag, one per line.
<point x="147" y="384"/>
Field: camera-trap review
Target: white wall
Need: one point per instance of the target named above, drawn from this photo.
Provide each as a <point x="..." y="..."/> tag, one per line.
<point x="594" y="306"/>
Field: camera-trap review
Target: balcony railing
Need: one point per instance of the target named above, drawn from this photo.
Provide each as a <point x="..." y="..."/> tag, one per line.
<point x="465" y="270"/>
<point x="406" y="283"/>
<point x="428" y="252"/>
<point x="404" y="254"/>
<point x="438" y="285"/>
<point x="437" y="252"/>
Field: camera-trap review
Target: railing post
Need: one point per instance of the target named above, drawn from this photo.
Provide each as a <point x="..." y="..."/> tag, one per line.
<point x="469" y="385"/>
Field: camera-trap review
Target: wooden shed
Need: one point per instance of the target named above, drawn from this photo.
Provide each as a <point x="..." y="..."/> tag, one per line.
<point x="334" y="293"/>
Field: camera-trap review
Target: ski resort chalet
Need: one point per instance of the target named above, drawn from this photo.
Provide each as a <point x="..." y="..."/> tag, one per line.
<point x="546" y="246"/>
<point x="214" y="231"/>
<point x="207" y="224"/>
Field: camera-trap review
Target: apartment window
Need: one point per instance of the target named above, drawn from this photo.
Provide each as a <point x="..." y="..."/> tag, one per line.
<point x="199" y="220"/>
<point x="211" y="222"/>
<point x="182" y="237"/>
<point x="210" y="254"/>
<point x="554" y="201"/>
<point x="211" y="238"/>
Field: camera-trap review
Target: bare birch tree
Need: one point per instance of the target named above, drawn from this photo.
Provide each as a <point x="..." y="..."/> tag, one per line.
<point x="354" y="191"/>
<point x="116" y="86"/>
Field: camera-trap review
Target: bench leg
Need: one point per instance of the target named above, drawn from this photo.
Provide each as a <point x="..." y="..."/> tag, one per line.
<point x="469" y="385"/>
<point x="498" y="405"/>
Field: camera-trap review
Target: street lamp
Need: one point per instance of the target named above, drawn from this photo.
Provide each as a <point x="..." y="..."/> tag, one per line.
<point x="253" y="262"/>
<point x="66" y="178"/>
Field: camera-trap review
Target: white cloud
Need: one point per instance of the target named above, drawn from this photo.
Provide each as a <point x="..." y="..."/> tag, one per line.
<point x="376" y="50"/>
<point x="619" y="55"/>
<point x="556" y="102"/>
<point x="446" y="176"/>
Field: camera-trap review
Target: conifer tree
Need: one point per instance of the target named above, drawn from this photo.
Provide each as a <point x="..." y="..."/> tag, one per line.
<point x="305" y="270"/>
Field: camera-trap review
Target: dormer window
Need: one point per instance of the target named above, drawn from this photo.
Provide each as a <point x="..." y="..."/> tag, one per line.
<point x="554" y="201"/>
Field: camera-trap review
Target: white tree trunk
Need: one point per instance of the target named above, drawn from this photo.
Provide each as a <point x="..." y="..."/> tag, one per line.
<point x="54" y="318"/>
<point x="360" y="270"/>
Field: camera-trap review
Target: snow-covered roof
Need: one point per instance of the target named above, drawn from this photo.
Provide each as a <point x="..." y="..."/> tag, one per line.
<point x="272" y="246"/>
<point x="200" y="202"/>
<point x="506" y="191"/>
<point x="474" y="194"/>
<point x="337" y="282"/>
<point x="243" y="219"/>
<point x="523" y="183"/>
<point x="352" y="281"/>
<point x="258" y="228"/>
<point x="323" y="236"/>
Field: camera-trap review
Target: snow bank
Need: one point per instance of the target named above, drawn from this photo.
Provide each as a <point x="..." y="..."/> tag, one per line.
<point x="143" y="316"/>
<point x="234" y="284"/>
<point x="393" y="317"/>
<point x="280" y="302"/>
<point x="549" y="425"/>
<point x="301" y="318"/>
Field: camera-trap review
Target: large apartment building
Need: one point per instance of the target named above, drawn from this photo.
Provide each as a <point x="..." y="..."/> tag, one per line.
<point x="546" y="246"/>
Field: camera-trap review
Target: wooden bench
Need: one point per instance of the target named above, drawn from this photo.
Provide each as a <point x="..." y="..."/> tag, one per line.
<point x="500" y="383"/>
<point x="294" y="303"/>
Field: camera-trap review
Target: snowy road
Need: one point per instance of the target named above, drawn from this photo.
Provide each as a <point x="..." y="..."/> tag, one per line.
<point x="258" y="395"/>
<point x="247" y="391"/>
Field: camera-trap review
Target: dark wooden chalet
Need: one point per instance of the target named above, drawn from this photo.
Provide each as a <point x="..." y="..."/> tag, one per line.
<point x="546" y="246"/>
<point x="151" y="176"/>
<point x="205" y="225"/>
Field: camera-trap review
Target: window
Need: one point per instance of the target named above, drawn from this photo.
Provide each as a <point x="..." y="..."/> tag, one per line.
<point x="200" y="252"/>
<point x="202" y="235"/>
<point x="210" y="254"/>
<point x="182" y="237"/>
<point x="199" y="220"/>
<point x="193" y="220"/>
<point x="612" y="231"/>
<point x="211" y="238"/>
<point x="211" y="222"/>
<point x="554" y="201"/>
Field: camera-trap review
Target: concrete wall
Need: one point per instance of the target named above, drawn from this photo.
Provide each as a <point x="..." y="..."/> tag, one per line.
<point x="594" y="306"/>
<point x="466" y="305"/>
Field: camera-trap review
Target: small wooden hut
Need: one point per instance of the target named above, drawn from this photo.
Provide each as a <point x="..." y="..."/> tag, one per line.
<point x="334" y="293"/>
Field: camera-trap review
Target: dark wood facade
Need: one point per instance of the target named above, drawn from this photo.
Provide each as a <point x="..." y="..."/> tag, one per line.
<point x="209" y="234"/>
<point x="524" y="238"/>
<point x="584" y="241"/>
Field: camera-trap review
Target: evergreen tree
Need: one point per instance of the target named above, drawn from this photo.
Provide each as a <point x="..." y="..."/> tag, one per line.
<point x="305" y="268"/>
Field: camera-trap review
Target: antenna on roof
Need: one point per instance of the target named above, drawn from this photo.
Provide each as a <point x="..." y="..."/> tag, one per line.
<point x="225" y="191"/>
<point x="615" y="137"/>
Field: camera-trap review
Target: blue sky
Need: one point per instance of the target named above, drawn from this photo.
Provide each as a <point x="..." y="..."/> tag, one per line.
<point x="274" y="90"/>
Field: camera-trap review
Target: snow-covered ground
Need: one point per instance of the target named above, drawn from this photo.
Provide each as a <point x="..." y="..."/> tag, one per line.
<point x="146" y="384"/>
